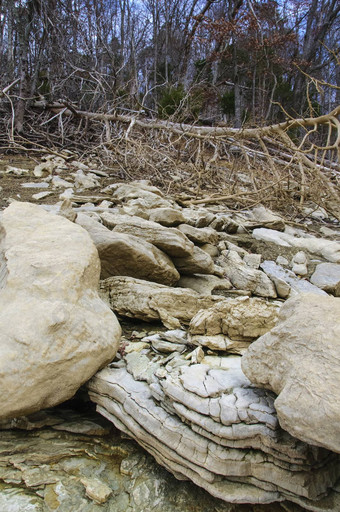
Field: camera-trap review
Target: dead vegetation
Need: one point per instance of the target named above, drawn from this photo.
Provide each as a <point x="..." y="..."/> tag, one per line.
<point x="283" y="166"/>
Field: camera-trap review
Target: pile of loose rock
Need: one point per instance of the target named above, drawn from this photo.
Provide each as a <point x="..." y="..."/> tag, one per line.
<point x="218" y="280"/>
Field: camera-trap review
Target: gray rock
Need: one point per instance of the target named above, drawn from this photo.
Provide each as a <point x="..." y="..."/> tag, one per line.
<point x="207" y="423"/>
<point x="327" y="277"/>
<point x="286" y="281"/>
<point x="326" y="248"/>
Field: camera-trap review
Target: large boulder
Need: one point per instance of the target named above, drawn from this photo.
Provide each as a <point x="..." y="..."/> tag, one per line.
<point x="127" y="255"/>
<point x="55" y="332"/>
<point x="299" y="360"/>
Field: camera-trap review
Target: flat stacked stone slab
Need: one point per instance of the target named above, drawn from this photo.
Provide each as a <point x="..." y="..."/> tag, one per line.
<point x="207" y="423"/>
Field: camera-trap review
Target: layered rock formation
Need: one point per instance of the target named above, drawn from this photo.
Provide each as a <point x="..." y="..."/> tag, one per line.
<point x="55" y="332"/>
<point x="206" y="422"/>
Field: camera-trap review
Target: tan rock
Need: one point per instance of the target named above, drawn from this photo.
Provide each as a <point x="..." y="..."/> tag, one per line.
<point x="170" y="240"/>
<point x="167" y="216"/>
<point x="199" y="235"/>
<point x="127" y="255"/>
<point x="244" y="277"/>
<point x="135" y="298"/>
<point x="55" y="332"/>
<point x="299" y="361"/>
<point x="199" y="262"/>
<point x="205" y="284"/>
<point x="241" y="318"/>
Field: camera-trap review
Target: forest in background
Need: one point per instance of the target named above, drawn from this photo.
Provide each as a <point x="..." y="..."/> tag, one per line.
<point x="237" y="61"/>
<point x="216" y="100"/>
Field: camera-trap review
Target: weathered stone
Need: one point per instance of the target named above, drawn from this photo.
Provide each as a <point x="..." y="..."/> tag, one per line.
<point x="43" y="470"/>
<point x="127" y="255"/>
<point x="205" y="284"/>
<point x="199" y="262"/>
<point x="199" y="235"/>
<point x="252" y="260"/>
<point x="170" y="240"/>
<point x="207" y="423"/>
<point x="138" y="193"/>
<point x="241" y="318"/>
<point x="58" y="182"/>
<point x="327" y="277"/>
<point x="286" y="282"/>
<point x="299" y="361"/>
<point x="299" y="264"/>
<point x="328" y="249"/>
<point x="243" y="277"/>
<point x="55" y="332"/>
<point x="135" y="298"/>
<point x="167" y="216"/>
<point x="210" y="249"/>
<point x="219" y="342"/>
<point x="85" y="181"/>
<point x="200" y="218"/>
<point x="267" y="218"/>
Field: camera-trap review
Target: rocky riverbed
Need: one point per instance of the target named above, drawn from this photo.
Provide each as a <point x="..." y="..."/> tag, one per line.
<point x="225" y="371"/>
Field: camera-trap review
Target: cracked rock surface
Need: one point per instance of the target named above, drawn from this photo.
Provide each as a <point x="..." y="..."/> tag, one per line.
<point x="206" y="422"/>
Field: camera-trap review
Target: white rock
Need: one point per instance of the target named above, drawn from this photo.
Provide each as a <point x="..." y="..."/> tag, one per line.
<point x="326" y="248"/>
<point x="327" y="277"/>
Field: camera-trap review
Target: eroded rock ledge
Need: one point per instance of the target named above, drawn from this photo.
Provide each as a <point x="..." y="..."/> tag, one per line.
<point x="207" y="423"/>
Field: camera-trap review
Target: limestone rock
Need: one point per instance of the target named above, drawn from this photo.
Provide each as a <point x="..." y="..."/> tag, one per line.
<point x="85" y="181"/>
<point x="267" y="218"/>
<point x="299" y="361"/>
<point x="299" y="264"/>
<point x="207" y="423"/>
<point x="135" y="298"/>
<point x="220" y="342"/>
<point x="167" y="216"/>
<point x="205" y="284"/>
<point x="328" y="249"/>
<point x="55" y="332"/>
<point x="286" y="282"/>
<point x="170" y="240"/>
<point x="42" y="471"/>
<point x="244" y="277"/>
<point x="199" y="262"/>
<point x="327" y="277"/>
<point x="244" y="318"/>
<point x="127" y="255"/>
<point x="200" y="218"/>
<point x="139" y="193"/>
<point x="199" y="235"/>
